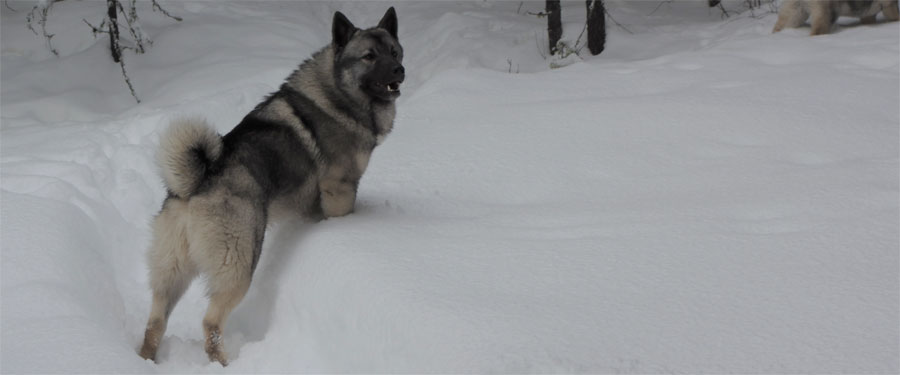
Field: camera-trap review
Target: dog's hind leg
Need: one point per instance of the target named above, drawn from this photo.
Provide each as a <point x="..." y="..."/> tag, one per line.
<point x="171" y="271"/>
<point x="226" y="242"/>
<point x="221" y="303"/>
<point x="792" y="14"/>
<point x="892" y="11"/>
<point x="822" y="17"/>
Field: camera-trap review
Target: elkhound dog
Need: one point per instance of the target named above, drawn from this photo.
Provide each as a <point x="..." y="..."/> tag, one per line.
<point x="303" y="149"/>
<point x="823" y="13"/>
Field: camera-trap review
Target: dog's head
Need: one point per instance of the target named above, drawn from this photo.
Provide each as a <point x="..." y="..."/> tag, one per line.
<point x="369" y="60"/>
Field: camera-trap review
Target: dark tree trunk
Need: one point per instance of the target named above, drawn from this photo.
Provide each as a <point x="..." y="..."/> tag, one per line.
<point x="596" y="26"/>
<point x="554" y="24"/>
<point x="111" y="12"/>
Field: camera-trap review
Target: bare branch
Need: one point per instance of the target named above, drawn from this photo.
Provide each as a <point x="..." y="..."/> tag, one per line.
<point x="131" y="18"/>
<point x="109" y="25"/>
<point x="42" y="10"/>
<point x="96" y="29"/>
<point x="128" y="80"/>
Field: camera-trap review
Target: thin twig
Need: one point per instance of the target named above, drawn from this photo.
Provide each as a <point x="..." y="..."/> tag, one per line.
<point x="44" y="12"/>
<point x="131" y="18"/>
<point x="128" y="80"/>
<point x="509" y="61"/>
<point x="96" y="29"/>
<point x="605" y="10"/>
<point x="537" y="43"/>
<point x="577" y="48"/>
<point x="724" y="12"/>
<point x="583" y="29"/>
<point x="659" y="5"/>
<point x="158" y="7"/>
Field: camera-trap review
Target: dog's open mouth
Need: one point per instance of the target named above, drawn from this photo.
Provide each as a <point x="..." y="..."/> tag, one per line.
<point x="393" y="86"/>
<point x="384" y="90"/>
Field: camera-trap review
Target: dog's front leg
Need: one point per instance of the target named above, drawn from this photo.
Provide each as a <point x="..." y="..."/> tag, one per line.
<point x="337" y="196"/>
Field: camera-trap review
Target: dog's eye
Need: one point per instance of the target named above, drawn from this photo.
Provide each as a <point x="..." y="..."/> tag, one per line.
<point x="395" y="54"/>
<point x="369" y="56"/>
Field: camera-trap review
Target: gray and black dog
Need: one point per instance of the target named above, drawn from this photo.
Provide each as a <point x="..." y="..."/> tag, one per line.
<point x="823" y="13"/>
<point x="302" y="150"/>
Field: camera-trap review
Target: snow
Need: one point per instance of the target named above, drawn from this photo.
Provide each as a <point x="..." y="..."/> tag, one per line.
<point x="704" y="196"/>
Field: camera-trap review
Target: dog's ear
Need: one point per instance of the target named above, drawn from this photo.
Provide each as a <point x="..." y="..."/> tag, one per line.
<point x="389" y="22"/>
<point x="341" y="30"/>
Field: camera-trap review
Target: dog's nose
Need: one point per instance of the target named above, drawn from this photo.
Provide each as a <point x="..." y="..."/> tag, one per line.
<point x="399" y="70"/>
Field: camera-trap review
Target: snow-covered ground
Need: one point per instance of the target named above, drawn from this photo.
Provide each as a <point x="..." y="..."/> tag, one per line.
<point x="702" y="197"/>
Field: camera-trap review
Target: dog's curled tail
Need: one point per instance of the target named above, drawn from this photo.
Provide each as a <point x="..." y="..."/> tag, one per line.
<point x="186" y="152"/>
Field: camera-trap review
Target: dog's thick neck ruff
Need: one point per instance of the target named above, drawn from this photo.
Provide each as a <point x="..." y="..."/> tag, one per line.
<point x="345" y="103"/>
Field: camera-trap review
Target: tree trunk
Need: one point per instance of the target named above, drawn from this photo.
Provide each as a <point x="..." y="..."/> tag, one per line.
<point x="596" y="26"/>
<point x="554" y="24"/>
<point x="111" y="13"/>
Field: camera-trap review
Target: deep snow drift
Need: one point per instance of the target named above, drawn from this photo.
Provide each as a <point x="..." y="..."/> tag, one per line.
<point x="702" y="197"/>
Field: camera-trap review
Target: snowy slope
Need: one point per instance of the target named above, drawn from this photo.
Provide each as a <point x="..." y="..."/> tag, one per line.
<point x="702" y="197"/>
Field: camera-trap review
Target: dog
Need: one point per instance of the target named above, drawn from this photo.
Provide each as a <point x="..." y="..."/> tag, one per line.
<point x="823" y="13"/>
<point x="302" y="150"/>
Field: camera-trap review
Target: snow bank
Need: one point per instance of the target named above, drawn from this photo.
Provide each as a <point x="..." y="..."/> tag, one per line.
<point x="702" y="197"/>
